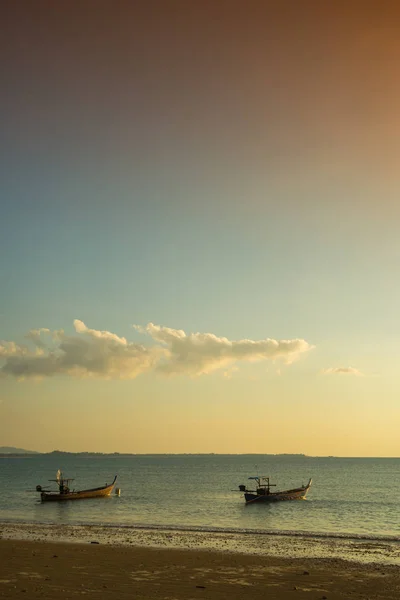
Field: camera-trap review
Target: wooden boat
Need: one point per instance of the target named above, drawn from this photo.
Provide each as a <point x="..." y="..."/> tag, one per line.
<point x="65" y="493"/>
<point x="263" y="492"/>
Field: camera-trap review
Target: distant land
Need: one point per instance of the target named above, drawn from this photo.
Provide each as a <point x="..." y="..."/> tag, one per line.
<point x="12" y="450"/>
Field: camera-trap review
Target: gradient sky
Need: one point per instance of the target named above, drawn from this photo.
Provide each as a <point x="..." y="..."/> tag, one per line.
<point x="226" y="172"/>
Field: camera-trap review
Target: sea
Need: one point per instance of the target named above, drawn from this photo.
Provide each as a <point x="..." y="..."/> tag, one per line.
<point x="351" y="499"/>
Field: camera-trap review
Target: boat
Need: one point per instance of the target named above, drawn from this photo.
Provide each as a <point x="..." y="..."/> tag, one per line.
<point x="263" y="492"/>
<point x="65" y="493"/>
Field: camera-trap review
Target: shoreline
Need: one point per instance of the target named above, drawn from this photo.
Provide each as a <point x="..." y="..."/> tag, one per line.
<point x="356" y="550"/>
<point x="49" y="569"/>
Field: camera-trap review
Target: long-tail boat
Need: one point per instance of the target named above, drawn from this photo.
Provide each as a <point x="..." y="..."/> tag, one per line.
<point x="263" y="492"/>
<point x="65" y="493"/>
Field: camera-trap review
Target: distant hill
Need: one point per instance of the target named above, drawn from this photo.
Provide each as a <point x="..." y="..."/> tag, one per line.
<point x="12" y="450"/>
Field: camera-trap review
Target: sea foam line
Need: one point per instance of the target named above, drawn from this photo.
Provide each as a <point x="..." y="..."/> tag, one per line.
<point x="217" y="530"/>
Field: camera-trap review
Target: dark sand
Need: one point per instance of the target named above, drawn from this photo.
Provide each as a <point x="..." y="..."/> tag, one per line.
<point x="51" y="570"/>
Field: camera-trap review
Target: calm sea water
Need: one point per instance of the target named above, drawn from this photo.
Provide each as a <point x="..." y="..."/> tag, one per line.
<point x="349" y="497"/>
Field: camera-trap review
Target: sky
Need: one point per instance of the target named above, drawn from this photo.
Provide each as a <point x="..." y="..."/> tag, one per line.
<point x="199" y="226"/>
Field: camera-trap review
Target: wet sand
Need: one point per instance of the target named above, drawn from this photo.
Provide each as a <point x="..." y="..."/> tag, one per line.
<point x="48" y="570"/>
<point x="250" y="542"/>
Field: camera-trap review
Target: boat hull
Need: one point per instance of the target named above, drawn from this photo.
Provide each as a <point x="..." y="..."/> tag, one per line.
<point x="100" y="492"/>
<point x="295" y="494"/>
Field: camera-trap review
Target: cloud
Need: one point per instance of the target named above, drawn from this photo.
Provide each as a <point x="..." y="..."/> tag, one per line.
<point x="34" y="336"/>
<point x="342" y="371"/>
<point x="102" y="354"/>
<point x="8" y="349"/>
<point x="80" y="327"/>
<point x="202" y="353"/>
<point x="91" y="353"/>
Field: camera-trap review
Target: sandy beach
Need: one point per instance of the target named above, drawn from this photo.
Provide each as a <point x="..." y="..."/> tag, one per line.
<point x="47" y="570"/>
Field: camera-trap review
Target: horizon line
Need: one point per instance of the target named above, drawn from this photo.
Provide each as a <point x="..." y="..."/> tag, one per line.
<point x="116" y="453"/>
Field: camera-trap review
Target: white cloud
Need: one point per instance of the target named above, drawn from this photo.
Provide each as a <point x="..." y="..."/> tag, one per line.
<point x="102" y="354"/>
<point x="91" y="353"/>
<point x="201" y="353"/>
<point x="80" y="327"/>
<point x="11" y="349"/>
<point x="342" y="371"/>
<point x="34" y="336"/>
